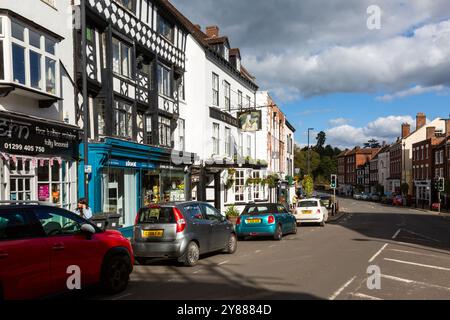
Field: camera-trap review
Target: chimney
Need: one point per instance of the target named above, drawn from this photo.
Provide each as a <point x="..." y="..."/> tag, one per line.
<point x="212" y="31"/>
<point x="421" y="120"/>
<point x="406" y="129"/>
<point x="431" y="132"/>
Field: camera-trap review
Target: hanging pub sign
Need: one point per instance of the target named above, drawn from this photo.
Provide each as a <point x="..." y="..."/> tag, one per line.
<point x="24" y="135"/>
<point x="250" y="120"/>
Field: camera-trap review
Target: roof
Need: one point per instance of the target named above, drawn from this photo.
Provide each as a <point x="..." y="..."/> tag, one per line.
<point x="203" y="38"/>
<point x="290" y="126"/>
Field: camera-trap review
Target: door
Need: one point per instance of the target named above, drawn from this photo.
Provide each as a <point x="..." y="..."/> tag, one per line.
<point x="283" y="214"/>
<point x="69" y="247"/>
<point x="220" y="228"/>
<point x="24" y="256"/>
<point x="198" y="227"/>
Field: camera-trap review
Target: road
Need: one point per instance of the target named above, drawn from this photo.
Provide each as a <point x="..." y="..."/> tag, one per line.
<point x="411" y="249"/>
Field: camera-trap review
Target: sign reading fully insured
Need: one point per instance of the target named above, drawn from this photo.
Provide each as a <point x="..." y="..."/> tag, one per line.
<point x="23" y="135"/>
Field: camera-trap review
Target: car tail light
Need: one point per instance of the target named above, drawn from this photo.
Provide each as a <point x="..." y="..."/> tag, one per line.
<point x="318" y="211"/>
<point x="238" y="221"/>
<point x="271" y="219"/>
<point x="179" y="219"/>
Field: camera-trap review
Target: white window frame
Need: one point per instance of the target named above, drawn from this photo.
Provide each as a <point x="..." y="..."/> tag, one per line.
<point x="227" y="89"/>
<point x="239" y="186"/>
<point x="227" y="141"/>
<point x="216" y="138"/>
<point x="120" y="70"/>
<point x="181" y="134"/>
<point x="44" y="57"/>
<point x="164" y="81"/>
<point x="215" y="90"/>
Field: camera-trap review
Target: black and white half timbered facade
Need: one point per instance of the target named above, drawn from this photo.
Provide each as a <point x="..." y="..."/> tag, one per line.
<point x="135" y="63"/>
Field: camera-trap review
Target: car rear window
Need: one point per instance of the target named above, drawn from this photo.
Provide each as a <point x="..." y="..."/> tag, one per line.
<point x="264" y="209"/>
<point x="156" y="215"/>
<point x="306" y="204"/>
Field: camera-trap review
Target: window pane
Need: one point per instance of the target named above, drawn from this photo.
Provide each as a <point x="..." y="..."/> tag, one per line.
<point x="50" y="67"/>
<point x="17" y="31"/>
<point x="50" y="46"/>
<point x="116" y="56"/>
<point x="35" y="70"/>
<point x="18" y="63"/>
<point x="125" y="61"/>
<point x="35" y="39"/>
<point x="43" y="171"/>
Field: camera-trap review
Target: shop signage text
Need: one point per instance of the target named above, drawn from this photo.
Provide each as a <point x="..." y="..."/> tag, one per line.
<point x="222" y="116"/>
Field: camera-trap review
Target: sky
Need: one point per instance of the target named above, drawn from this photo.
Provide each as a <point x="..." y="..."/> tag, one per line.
<point x="337" y="66"/>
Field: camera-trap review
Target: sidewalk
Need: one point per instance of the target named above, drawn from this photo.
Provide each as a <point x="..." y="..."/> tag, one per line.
<point x="336" y="217"/>
<point x="445" y="215"/>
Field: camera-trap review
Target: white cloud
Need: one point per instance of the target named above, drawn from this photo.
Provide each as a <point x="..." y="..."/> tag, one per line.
<point x="338" y="122"/>
<point x="382" y="129"/>
<point x="417" y="90"/>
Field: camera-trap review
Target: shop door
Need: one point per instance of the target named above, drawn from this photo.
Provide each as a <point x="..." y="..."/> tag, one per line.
<point x="130" y="199"/>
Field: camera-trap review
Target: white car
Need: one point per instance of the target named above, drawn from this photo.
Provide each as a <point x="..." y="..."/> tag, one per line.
<point x="311" y="211"/>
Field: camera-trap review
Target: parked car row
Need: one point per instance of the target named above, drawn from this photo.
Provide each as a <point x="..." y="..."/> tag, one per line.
<point x="41" y="247"/>
<point x="367" y="196"/>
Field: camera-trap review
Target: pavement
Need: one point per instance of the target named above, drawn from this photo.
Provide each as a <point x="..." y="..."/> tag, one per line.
<point x="368" y="252"/>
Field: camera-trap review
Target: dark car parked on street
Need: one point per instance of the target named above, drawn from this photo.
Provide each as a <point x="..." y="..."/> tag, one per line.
<point x="183" y="231"/>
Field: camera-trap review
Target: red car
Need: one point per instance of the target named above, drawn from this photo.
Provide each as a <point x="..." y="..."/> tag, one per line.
<point x="43" y="249"/>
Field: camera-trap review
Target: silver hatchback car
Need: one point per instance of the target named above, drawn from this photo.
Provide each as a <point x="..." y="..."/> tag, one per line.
<point x="183" y="231"/>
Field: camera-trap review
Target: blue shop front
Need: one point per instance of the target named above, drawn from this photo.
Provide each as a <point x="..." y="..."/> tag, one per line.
<point x="126" y="176"/>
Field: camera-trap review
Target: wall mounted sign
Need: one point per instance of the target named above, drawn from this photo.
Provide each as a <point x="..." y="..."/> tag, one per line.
<point x="250" y="121"/>
<point x="130" y="164"/>
<point x="23" y="135"/>
<point x="223" y="116"/>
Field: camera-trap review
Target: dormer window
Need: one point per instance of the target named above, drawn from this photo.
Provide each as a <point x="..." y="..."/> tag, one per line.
<point x="165" y="28"/>
<point x="226" y="52"/>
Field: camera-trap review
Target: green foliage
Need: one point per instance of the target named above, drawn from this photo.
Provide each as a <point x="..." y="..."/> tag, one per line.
<point x="232" y="212"/>
<point x="272" y="180"/>
<point x="321" y="139"/>
<point x="308" y="186"/>
<point x="447" y="187"/>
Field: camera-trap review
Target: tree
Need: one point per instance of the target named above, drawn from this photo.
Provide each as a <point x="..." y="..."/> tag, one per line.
<point x="372" y="143"/>
<point x="308" y="186"/>
<point x="321" y="139"/>
<point x="301" y="160"/>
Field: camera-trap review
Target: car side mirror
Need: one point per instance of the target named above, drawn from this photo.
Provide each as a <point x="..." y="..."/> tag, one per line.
<point x="88" y="230"/>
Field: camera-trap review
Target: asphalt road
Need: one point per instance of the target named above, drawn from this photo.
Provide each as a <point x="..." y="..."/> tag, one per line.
<point x="411" y="249"/>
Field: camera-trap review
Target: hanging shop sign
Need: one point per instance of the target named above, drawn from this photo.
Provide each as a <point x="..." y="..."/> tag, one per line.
<point x="223" y="116"/>
<point x="250" y="121"/>
<point x="28" y="136"/>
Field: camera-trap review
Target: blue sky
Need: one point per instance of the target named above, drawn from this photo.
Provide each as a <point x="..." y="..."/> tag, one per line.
<point x="326" y="67"/>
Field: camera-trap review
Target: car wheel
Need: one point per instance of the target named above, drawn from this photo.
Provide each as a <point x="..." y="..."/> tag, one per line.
<point x="191" y="256"/>
<point x="278" y="233"/>
<point x="322" y="224"/>
<point x="231" y="246"/>
<point x="295" y="228"/>
<point x="116" y="274"/>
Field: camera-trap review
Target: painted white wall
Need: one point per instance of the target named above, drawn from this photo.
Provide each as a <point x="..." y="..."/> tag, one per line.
<point x="57" y="19"/>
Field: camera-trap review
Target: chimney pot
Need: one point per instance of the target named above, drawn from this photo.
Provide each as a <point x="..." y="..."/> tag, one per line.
<point x="212" y="31"/>
<point x="421" y="120"/>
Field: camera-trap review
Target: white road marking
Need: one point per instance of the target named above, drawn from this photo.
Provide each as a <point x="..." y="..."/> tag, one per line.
<point x="418" y="264"/>
<point x="378" y="252"/>
<point x="223" y="262"/>
<point x="339" y="291"/>
<point x="365" y="296"/>
<point x="418" y="253"/>
<point x="414" y="282"/>
<point x="396" y="234"/>
<point x="421" y="235"/>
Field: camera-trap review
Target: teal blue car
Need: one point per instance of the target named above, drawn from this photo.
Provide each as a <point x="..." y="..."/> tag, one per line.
<point x="265" y="219"/>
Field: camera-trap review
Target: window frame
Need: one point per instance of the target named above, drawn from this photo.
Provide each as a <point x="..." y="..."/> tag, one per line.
<point x="216" y="138"/>
<point x="117" y="111"/>
<point x="163" y="82"/>
<point x="164" y="127"/>
<point x="121" y="45"/>
<point x="227" y="141"/>
<point x="227" y="95"/>
<point x="166" y="22"/>
<point x="215" y="90"/>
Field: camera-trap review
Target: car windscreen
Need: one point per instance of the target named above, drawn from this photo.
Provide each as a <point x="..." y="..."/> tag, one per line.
<point x="306" y="204"/>
<point x="156" y="215"/>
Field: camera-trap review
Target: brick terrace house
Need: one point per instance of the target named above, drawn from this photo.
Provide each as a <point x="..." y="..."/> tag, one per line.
<point x="441" y="163"/>
<point x="373" y="173"/>
<point x="342" y="170"/>
<point x="354" y="159"/>
<point x="423" y="164"/>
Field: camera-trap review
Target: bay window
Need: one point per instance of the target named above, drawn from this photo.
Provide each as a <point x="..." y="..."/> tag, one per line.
<point x="121" y="58"/>
<point x="165" y="132"/>
<point x="164" y="81"/>
<point x="33" y="57"/>
<point x="123" y="119"/>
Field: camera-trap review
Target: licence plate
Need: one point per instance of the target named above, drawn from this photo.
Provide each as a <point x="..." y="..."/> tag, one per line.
<point x="153" y="233"/>
<point x="253" y="220"/>
<point x="307" y="211"/>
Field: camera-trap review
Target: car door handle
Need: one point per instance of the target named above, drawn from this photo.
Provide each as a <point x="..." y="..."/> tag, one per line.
<point x="58" y="247"/>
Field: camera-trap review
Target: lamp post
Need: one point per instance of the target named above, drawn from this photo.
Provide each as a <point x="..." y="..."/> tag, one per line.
<point x="309" y="153"/>
<point x="85" y="98"/>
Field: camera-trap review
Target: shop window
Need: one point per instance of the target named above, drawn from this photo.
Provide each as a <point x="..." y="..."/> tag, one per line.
<point x="172" y="185"/>
<point x="165" y="132"/>
<point x="121" y="58"/>
<point x="123" y="118"/>
<point x="49" y="181"/>
<point x="239" y="186"/>
<point x="256" y="185"/>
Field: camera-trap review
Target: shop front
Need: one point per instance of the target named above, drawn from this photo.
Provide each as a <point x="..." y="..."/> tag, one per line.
<point x="38" y="160"/>
<point x="126" y="176"/>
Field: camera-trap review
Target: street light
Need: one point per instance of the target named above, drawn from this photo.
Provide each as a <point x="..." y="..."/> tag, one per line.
<point x="309" y="153"/>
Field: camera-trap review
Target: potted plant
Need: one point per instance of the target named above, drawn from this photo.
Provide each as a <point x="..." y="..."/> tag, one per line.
<point x="230" y="180"/>
<point x="232" y="214"/>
